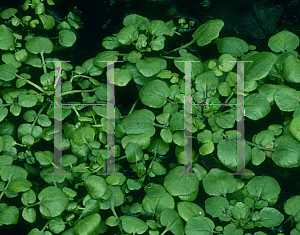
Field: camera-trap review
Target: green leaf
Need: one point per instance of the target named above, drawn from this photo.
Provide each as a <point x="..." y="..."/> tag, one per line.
<point x="154" y="190"/>
<point x="283" y="41"/>
<point x="215" y="206"/>
<point x="45" y="158"/>
<point x="291" y="69"/>
<point x="224" y="62"/>
<point x="158" y="146"/>
<point x="116" y="199"/>
<point x="48" y="21"/>
<point x="110" y="43"/>
<point x="96" y="186"/>
<point x="158" y="27"/>
<point x="29" y="214"/>
<point x="218" y="182"/>
<point x="295" y="127"/>
<point x="91" y="206"/>
<point x="158" y="43"/>
<point x="133" y="152"/>
<point x="199" y="226"/>
<point x="154" y="94"/>
<point x="149" y="67"/>
<point x="88" y="225"/>
<point x="66" y="38"/>
<point x="101" y="59"/>
<point x="206" y="83"/>
<point x="83" y="135"/>
<point x="287" y="152"/>
<point x="10" y="172"/>
<point x="260" y="67"/>
<point x="133" y="184"/>
<point x="52" y="202"/>
<point x="142" y="139"/>
<point x="19" y="185"/>
<point x="7" y="72"/>
<point x="258" y="156"/>
<point x="127" y="35"/>
<point x="140" y="121"/>
<point x="197" y="67"/>
<point x="227" y="153"/>
<point x="39" y="45"/>
<point x="256" y="106"/>
<point x="232" y="45"/>
<point x="270" y="217"/>
<point x="208" y="31"/>
<point x="27" y="100"/>
<point x="177" y="122"/>
<point x="7" y="13"/>
<point x="240" y="211"/>
<point x="56" y="225"/>
<point x="172" y="221"/>
<point x="15" y="109"/>
<point x="138" y="21"/>
<point x="39" y="8"/>
<point x="28" y="197"/>
<point x="121" y="77"/>
<point x="166" y="135"/>
<point x="188" y="210"/>
<point x="263" y="187"/>
<point x="133" y="225"/>
<point x="287" y="99"/>
<point x="112" y="221"/>
<point x="5" y="159"/>
<point x="9" y="58"/>
<point x="292" y="206"/>
<point x="9" y="215"/>
<point x="181" y="185"/>
<point x="6" y="39"/>
<point x="153" y="205"/>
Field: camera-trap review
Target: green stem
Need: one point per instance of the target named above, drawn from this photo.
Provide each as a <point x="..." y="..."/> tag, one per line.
<point x="158" y="125"/>
<point x="44" y="64"/>
<point x="184" y="46"/>
<point x="75" y="91"/>
<point x="31" y="205"/>
<point x="31" y="83"/>
<point x="133" y="106"/>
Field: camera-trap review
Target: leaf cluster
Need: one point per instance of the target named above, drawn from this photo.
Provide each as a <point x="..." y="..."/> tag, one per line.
<point x="74" y="194"/>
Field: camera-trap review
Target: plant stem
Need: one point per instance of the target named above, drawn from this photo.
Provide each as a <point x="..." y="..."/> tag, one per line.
<point x="31" y="83"/>
<point x="184" y="46"/>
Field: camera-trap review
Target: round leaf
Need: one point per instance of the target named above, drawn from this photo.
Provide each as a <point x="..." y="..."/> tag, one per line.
<point x="154" y="94"/>
<point x="96" y="186"/>
<point x="264" y="187"/>
<point x="172" y="221"/>
<point x="256" y="106"/>
<point x="208" y="31"/>
<point x="188" y="210"/>
<point x="52" y="201"/>
<point x="148" y="67"/>
<point x="218" y="182"/>
<point x="39" y="45"/>
<point x="181" y="185"/>
<point x="88" y="225"/>
<point x="133" y="225"/>
<point x="270" y="217"/>
<point x="295" y="127"/>
<point x="66" y="38"/>
<point x="283" y="41"/>
<point x="199" y="226"/>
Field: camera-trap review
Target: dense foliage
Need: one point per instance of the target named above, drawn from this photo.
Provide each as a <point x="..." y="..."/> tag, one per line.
<point x="149" y="197"/>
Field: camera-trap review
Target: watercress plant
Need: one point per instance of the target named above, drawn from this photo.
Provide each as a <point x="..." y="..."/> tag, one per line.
<point x="149" y="196"/>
